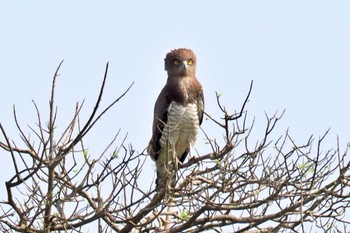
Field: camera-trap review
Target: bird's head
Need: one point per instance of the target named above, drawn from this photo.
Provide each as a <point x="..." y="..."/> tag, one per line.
<point x="180" y="62"/>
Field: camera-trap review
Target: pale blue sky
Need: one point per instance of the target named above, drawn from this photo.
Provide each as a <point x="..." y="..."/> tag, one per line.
<point x="297" y="53"/>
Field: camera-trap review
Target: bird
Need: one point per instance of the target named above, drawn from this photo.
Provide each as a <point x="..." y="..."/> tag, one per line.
<point x="178" y="114"/>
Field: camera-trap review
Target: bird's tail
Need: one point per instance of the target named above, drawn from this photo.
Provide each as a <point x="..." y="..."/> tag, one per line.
<point x="166" y="177"/>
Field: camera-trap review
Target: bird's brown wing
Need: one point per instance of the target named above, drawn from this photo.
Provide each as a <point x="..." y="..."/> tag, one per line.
<point x="159" y="121"/>
<point x="200" y="104"/>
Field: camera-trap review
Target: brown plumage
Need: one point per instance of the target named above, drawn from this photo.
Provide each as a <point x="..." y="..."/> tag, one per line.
<point x="178" y="112"/>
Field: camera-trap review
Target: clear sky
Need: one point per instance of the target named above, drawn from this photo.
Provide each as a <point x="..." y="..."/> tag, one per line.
<point x="297" y="53"/>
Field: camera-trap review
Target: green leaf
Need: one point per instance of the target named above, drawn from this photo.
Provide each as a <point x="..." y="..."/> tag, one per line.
<point x="86" y="154"/>
<point x="184" y="215"/>
<point x="115" y="154"/>
<point x="303" y="166"/>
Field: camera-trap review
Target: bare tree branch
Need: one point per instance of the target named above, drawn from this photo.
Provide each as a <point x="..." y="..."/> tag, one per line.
<point x="239" y="185"/>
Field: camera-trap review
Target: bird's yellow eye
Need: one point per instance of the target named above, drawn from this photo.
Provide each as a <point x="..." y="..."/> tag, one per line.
<point x="176" y="62"/>
<point x="189" y="62"/>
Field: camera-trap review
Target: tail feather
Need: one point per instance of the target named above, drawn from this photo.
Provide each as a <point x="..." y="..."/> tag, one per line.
<point x="165" y="178"/>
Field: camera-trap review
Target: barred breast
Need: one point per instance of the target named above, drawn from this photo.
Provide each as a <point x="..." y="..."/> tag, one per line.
<point x="182" y="128"/>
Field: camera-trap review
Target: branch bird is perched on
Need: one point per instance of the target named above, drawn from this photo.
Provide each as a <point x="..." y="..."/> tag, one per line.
<point x="178" y="113"/>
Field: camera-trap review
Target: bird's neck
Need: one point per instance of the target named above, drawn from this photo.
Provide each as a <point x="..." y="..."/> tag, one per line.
<point x="184" y="89"/>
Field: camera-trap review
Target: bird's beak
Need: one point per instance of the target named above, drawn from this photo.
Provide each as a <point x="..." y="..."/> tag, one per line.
<point x="186" y="65"/>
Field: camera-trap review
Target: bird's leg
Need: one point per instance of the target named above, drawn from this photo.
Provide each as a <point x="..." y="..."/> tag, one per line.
<point x="170" y="169"/>
<point x="170" y="158"/>
<point x="171" y="174"/>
